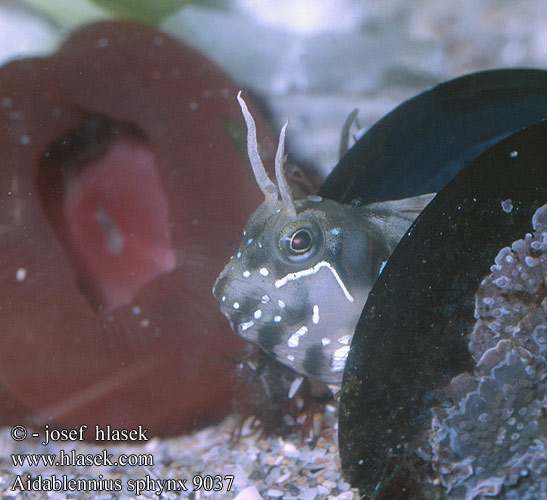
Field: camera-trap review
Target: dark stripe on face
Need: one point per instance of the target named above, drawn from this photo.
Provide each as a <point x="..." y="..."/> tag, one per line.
<point x="269" y="337"/>
<point x="315" y="360"/>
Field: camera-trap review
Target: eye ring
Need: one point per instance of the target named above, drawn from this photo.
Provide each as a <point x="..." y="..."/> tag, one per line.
<point x="300" y="242"/>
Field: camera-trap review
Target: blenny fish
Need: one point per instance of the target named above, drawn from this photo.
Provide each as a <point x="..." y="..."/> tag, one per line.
<point x="298" y="282"/>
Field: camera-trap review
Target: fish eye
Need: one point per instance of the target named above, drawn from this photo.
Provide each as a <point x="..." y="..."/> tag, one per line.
<point x="300" y="241"/>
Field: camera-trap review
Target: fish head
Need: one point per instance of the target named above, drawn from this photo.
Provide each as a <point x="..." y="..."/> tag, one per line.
<point x="298" y="282"/>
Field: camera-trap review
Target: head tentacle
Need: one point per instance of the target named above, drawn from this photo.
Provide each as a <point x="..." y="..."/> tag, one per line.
<point x="264" y="183"/>
<point x="283" y="187"/>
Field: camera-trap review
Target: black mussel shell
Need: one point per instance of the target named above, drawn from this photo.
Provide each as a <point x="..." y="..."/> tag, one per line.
<point x="424" y="142"/>
<point x="414" y="334"/>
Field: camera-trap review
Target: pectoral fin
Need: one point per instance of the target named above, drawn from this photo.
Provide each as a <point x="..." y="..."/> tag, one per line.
<point x="388" y="221"/>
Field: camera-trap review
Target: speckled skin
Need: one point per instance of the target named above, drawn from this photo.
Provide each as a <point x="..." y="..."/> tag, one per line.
<point x="492" y="441"/>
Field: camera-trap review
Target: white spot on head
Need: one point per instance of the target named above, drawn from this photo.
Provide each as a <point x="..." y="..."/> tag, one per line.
<point x="513" y="154"/>
<point x="314" y="198"/>
<point x="277" y="319"/>
<point x="249" y="241"/>
<point x="339" y="358"/>
<point x="258" y="314"/>
<point x="325" y="341"/>
<point x="344" y="339"/>
<point x="290" y="357"/>
<point x="294" y="339"/>
<point x="507" y="206"/>
<point x="281" y="304"/>
<point x="20" y="274"/>
<point x="302" y="330"/>
<point x="259" y="244"/>
<point x="238" y="255"/>
<point x="246" y="325"/>
<point x="236" y="305"/>
<point x="246" y="274"/>
<point x="264" y="272"/>
<point x="336" y="232"/>
<point x="223" y="298"/>
<point x="265" y="299"/>
<point x="315" y="314"/>
<point x="136" y="310"/>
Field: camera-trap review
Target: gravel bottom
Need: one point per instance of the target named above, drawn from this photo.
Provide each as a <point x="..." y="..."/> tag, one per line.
<point x="299" y="467"/>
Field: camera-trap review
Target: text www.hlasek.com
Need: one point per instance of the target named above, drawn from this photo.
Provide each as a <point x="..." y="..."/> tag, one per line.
<point x="81" y="460"/>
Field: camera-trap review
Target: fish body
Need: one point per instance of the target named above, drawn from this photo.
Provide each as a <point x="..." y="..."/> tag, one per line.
<point x="298" y="281"/>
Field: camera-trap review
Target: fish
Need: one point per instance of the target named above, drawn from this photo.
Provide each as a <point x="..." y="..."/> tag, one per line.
<point x="299" y="279"/>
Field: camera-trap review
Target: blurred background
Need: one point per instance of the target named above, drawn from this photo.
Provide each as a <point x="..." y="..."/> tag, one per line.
<point x="313" y="61"/>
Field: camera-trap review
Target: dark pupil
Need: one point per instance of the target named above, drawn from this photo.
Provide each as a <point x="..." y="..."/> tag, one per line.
<point x="300" y="241"/>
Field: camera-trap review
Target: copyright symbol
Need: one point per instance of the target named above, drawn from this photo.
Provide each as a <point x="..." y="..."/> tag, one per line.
<point x="18" y="433"/>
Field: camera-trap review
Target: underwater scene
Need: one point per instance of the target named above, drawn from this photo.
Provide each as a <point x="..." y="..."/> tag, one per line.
<point x="287" y="250"/>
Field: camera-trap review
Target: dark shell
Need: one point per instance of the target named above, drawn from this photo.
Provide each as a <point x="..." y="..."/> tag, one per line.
<point x="119" y="106"/>
<point x="424" y="142"/>
<point x="412" y="338"/>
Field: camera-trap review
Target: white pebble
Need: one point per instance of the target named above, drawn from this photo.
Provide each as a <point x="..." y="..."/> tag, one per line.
<point x="249" y="493"/>
<point x="290" y="450"/>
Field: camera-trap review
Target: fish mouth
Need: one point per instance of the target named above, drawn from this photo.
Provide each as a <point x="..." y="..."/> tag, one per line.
<point x="240" y="323"/>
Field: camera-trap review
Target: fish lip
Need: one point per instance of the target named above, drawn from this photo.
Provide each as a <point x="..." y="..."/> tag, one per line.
<point x="230" y="312"/>
<point x="218" y="289"/>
